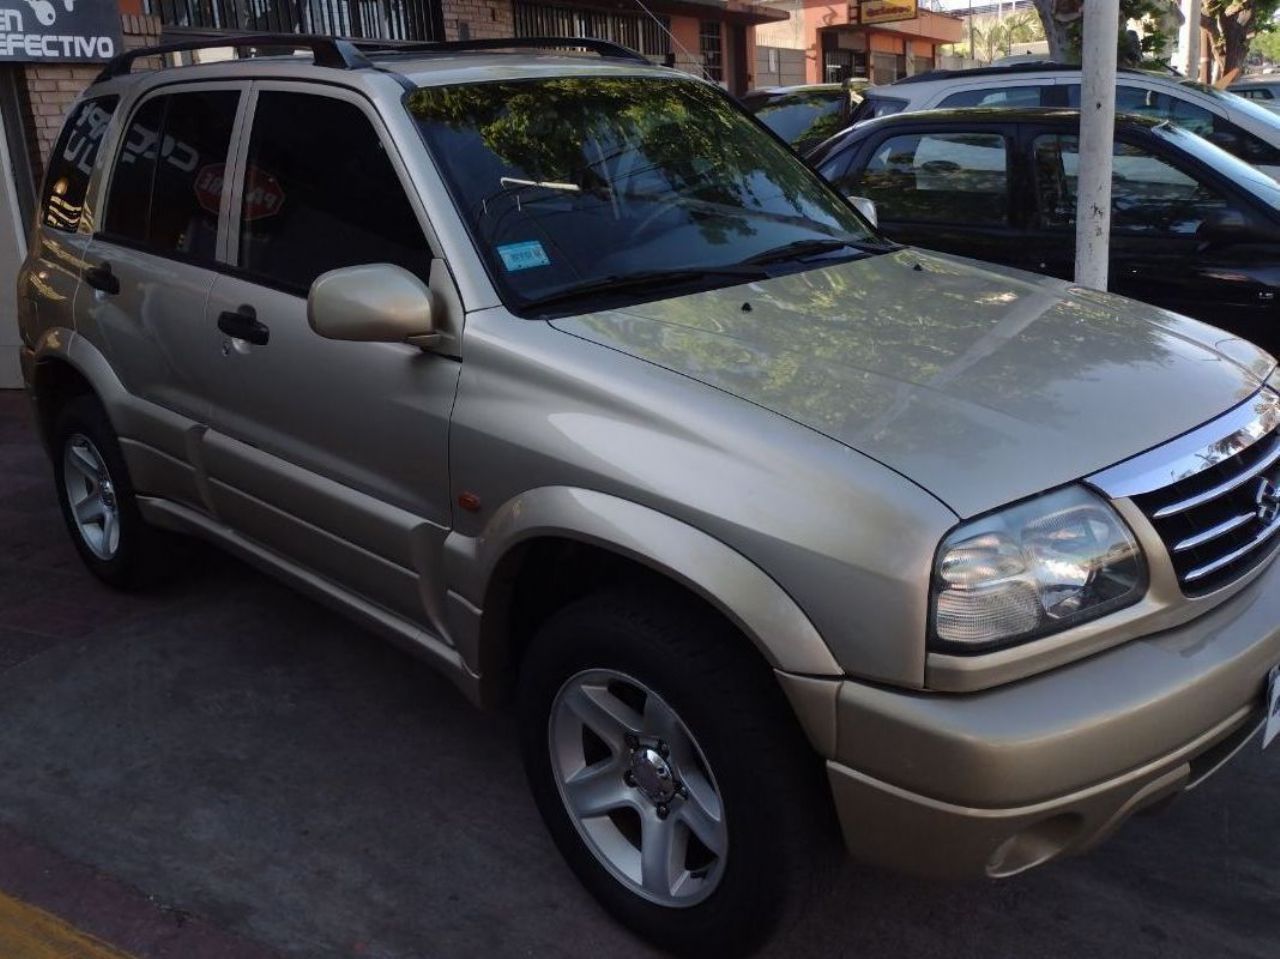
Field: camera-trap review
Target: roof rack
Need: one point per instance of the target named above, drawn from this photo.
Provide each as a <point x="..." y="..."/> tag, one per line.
<point x="346" y="53"/>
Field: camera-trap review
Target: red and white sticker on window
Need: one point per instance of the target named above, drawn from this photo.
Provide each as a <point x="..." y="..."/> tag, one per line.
<point x="263" y="196"/>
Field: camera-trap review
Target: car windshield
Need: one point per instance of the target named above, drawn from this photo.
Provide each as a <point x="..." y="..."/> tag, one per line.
<point x="1245" y="175"/>
<point x="1233" y="101"/>
<point x="572" y="183"/>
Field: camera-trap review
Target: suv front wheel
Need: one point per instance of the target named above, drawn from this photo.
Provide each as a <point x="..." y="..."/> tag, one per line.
<point x="670" y="771"/>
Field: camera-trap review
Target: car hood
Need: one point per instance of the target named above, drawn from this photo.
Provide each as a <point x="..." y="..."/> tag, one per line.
<point x="981" y="384"/>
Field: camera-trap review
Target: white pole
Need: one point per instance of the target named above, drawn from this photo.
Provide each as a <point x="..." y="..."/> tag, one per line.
<point x="1189" y="40"/>
<point x="1097" y="131"/>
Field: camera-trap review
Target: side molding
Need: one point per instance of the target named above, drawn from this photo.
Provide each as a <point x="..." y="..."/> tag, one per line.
<point x="722" y="576"/>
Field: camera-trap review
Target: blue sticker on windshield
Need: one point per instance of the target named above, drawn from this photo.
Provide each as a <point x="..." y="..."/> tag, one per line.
<point x="523" y="256"/>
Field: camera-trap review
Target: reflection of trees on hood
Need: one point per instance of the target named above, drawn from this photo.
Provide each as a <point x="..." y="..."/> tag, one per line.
<point x="686" y="132"/>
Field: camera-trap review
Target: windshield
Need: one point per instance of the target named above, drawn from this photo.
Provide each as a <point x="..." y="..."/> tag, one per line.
<point x="1245" y="175"/>
<point x="573" y="182"/>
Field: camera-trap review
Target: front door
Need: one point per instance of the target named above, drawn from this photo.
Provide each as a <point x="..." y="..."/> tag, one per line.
<point x="331" y="453"/>
<point x="1158" y="254"/>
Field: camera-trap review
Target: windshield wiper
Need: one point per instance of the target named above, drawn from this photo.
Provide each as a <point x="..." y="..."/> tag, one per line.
<point x="645" y="279"/>
<point x="800" y="249"/>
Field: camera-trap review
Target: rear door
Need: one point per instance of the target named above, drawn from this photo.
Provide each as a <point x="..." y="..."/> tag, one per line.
<point x="153" y="261"/>
<point x="334" y="454"/>
<point x="946" y="188"/>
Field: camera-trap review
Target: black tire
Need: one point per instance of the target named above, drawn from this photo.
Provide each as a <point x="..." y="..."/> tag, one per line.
<point x="144" y="555"/>
<point x="777" y="810"/>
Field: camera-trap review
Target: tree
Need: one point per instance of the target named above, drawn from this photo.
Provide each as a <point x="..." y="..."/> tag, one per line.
<point x="995" y="36"/>
<point x="1268" y="45"/>
<point x="1062" y="24"/>
<point x="1232" y="26"/>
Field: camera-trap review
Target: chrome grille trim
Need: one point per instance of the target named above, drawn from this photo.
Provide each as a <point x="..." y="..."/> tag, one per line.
<point x="1220" y="490"/>
<point x="1211" y="495"/>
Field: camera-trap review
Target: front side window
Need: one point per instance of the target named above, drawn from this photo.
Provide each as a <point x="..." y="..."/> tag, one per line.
<point x="571" y="182"/>
<point x="321" y="193"/>
<point x="167" y="185"/>
<point x="1149" y="195"/>
<point x="958" y="178"/>
<point x="72" y="162"/>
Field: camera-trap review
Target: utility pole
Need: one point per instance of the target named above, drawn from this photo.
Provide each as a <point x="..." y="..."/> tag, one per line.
<point x="1189" y="40"/>
<point x="1097" y="133"/>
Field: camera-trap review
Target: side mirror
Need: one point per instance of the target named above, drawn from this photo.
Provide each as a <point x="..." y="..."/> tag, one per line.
<point x="375" y="303"/>
<point x="1225" y="227"/>
<point x="866" y="207"/>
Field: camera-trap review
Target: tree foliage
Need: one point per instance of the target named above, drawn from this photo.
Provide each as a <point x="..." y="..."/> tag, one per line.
<point x="994" y="37"/>
<point x="1233" y="25"/>
<point x="1063" y="22"/>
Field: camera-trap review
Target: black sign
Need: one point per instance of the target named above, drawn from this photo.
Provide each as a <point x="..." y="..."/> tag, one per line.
<point x="42" y="31"/>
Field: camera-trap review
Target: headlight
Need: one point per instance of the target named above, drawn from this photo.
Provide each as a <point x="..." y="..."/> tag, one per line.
<point x="1041" y="566"/>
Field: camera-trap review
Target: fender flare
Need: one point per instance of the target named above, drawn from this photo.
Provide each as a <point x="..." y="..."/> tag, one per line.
<point x="725" y="578"/>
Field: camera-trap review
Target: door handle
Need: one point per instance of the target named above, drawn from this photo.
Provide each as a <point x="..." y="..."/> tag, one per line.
<point x="243" y="325"/>
<point x="101" y="278"/>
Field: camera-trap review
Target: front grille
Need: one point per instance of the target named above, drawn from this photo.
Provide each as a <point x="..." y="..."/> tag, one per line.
<point x="1222" y="521"/>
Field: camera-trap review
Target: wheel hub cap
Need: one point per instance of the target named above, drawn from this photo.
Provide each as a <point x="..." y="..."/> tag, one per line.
<point x="653" y="775"/>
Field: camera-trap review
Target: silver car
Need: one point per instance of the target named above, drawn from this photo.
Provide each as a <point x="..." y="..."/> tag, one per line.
<point x="559" y="370"/>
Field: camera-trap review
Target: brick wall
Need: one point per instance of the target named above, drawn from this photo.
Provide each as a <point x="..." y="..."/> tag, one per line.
<point x="45" y="91"/>
<point x="477" y="19"/>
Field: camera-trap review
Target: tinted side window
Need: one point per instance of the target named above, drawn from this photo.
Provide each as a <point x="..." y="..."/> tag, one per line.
<point x="1022" y="96"/>
<point x="321" y="193"/>
<point x="72" y="162"/>
<point x="168" y="180"/>
<point x="805" y="119"/>
<point x="129" y="199"/>
<point x="1149" y="195"/>
<point x="938" y="177"/>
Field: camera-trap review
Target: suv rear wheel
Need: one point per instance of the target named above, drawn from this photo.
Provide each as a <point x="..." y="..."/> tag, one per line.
<point x="670" y="771"/>
<point x="98" y="503"/>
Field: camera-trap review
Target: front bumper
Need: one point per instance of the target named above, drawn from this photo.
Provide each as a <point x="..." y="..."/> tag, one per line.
<point x="995" y="782"/>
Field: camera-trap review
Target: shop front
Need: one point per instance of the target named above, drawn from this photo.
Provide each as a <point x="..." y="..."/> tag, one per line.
<point x="881" y="40"/>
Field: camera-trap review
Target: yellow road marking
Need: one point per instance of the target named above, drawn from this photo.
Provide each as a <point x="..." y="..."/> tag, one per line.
<point x="30" y="933"/>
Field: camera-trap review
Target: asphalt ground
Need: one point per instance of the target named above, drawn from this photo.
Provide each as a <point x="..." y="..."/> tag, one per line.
<point x="225" y="769"/>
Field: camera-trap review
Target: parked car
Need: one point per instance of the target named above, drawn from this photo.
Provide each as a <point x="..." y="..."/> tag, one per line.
<point x="562" y="373"/>
<point x="805" y="116"/>
<point x="1239" y="126"/>
<point x="1262" y="90"/>
<point x="1193" y="229"/>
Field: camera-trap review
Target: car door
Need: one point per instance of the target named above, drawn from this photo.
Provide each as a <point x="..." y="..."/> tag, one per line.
<point x="1160" y="203"/>
<point x="941" y="188"/>
<point x="149" y="268"/>
<point x="333" y="454"/>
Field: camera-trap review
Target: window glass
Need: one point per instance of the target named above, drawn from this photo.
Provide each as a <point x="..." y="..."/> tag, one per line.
<point x="72" y="162"/>
<point x="938" y="177"/>
<point x="1149" y="195"/>
<point x="321" y="193"/>
<point x="570" y="183"/>
<point x="804" y="119"/>
<point x="168" y="178"/>
<point x="1019" y="96"/>
<point x="188" y="179"/>
<point x="876" y="106"/>
<point x="129" y="199"/>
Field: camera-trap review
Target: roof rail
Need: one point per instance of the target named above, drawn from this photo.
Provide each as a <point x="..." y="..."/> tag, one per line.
<point x="346" y="53"/>
<point x="336" y="52"/>
<point x="605" y="48"/>
<point x="1031" y="66"/>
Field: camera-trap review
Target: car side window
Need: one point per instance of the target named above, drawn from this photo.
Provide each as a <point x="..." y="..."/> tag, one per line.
<point x="167" y="183"/>
<point x="1016" y="96"/>
<point x="72" y="163"/>
<point x="1149" y="195"/>
<point x="321" y="193"/>
<point x="937" y="178"/>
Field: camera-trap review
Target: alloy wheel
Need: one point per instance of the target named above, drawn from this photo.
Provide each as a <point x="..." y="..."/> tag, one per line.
<point x="91" y="496"/>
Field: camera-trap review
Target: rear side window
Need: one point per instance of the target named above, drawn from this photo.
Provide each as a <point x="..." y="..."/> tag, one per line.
<point x="1019" y="96"/>
<point x="937" y="178"/>
<point x="321" y="193"/>
<point x="876" y="106"/>
<point x="804" y="119"/>
<point x="72" y="162"/>
<point x="168" y="181"/>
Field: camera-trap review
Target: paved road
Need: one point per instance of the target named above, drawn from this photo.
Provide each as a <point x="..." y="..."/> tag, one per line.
<point x="231" y="752"/>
